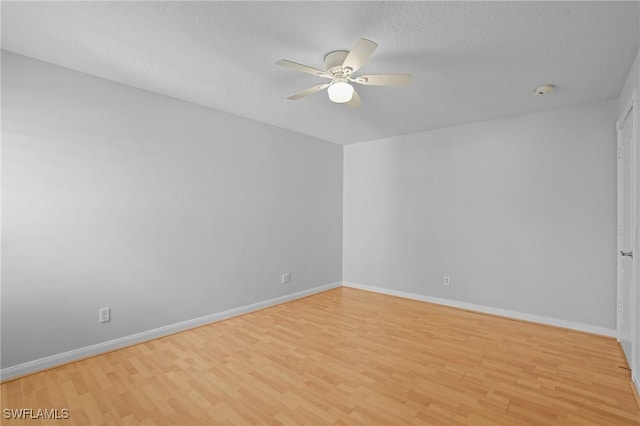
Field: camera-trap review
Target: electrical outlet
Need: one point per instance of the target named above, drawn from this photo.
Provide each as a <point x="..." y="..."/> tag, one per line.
<point x="446" y="280"/>
<point x="104" y="314"/>
<point x="286" y="278"/>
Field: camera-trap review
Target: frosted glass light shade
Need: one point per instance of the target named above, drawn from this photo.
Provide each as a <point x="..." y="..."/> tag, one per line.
<point x="340" y="92"/>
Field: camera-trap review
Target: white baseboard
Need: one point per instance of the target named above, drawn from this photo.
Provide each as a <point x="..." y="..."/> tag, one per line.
<point x="121" y="342"/>
<point x="594" y="329"/>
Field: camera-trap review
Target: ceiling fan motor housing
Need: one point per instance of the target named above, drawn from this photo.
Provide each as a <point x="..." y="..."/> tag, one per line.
<point x="333" y="61"/>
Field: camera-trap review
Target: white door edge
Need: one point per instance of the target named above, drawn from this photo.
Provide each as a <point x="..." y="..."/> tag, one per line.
<point x="634" y="302"/>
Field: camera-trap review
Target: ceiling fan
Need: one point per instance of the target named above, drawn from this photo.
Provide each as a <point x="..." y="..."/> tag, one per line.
<point x="339" y="67"/>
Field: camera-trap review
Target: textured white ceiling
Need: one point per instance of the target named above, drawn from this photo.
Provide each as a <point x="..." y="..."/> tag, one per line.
<point x="470" y="61"/>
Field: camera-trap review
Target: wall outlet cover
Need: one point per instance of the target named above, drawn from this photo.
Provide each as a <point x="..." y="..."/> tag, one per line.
<point x="104" y="314"/>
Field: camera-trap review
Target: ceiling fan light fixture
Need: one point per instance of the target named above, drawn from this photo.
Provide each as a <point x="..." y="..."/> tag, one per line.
<point x="340" y="92"/>
<point x="339" y="68"/>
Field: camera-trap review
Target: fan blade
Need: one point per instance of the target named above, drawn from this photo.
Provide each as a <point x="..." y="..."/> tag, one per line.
<point x="309" y="91"/>
<point x="384" y="79"/>
<point x="359" y="54"/>
<point x="355" y="101"/>
<point x="299" y="67"/>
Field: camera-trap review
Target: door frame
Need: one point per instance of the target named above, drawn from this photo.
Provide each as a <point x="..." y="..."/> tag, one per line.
<point x="634" y="303"/>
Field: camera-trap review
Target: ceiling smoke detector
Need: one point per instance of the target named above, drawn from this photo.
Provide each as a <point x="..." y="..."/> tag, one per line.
<point x="545" y="90"/>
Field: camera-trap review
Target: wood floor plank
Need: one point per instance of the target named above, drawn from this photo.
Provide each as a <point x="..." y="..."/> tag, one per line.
<point x="344" y="357"/>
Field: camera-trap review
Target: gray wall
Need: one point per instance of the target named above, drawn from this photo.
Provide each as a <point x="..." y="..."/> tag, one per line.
<point x="520" y="213"/>
<point x="160" y="209"/>
<point x="632" y="81"/>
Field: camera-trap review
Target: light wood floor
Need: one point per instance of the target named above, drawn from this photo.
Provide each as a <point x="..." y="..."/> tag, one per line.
<point x="345" y="357"/>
